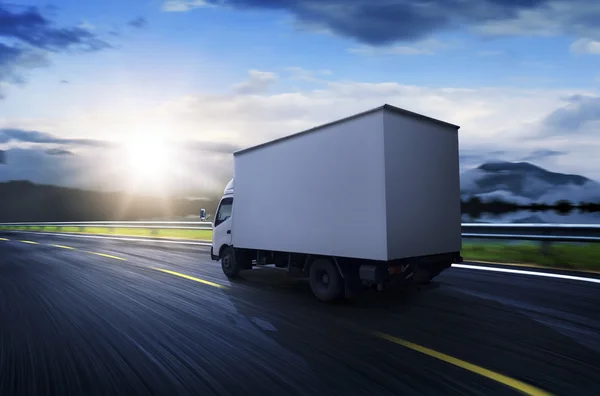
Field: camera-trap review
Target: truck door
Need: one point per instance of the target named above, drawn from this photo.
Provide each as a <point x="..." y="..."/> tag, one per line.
<point x="222" y="225"/>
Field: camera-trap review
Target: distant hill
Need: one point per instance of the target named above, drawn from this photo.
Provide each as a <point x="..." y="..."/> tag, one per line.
<point x="517" y="183"/>
<point x="26" y="201"/>
<point x="524" y="183"/>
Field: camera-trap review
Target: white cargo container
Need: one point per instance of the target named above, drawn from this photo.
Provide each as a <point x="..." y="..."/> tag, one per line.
<point x="371" y="198"/>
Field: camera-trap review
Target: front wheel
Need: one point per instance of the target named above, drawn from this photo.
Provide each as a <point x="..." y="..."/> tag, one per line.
<point x="229" y="264"/>
<point x="326" y="282"/>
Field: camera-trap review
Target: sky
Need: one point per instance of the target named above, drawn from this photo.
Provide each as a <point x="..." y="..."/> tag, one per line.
<point x="153" y="96"/>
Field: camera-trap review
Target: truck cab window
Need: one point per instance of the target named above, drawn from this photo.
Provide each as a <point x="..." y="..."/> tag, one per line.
<point x="224" y="211"/>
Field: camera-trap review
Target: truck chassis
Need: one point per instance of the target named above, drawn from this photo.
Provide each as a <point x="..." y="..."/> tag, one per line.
<point x="335" y="278"/>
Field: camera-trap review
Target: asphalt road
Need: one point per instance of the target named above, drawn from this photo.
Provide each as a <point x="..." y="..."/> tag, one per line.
<point x="92" y="316"/>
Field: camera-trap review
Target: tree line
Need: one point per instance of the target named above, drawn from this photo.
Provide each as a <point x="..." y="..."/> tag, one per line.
<point x="475" y="206"/>
<point x="26" y="201"/>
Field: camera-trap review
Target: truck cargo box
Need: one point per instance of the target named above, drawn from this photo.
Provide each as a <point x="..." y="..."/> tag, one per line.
<point x="380" y="185"/>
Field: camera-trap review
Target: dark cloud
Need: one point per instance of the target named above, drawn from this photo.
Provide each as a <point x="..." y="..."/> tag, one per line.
<point x="138" y="23"/>
<point x="29" y="26"/>
<point x="14" y="60"/>
<point x="382" y="22"/>
<point x="26" y="35"/>
<point x="543" y="153"/>
<point x="58" y="151"/>
<point x="9" y="60"/>
<point x="9" y="55"/>
<point x="8" y="135"/>
<point x="571" y="118"/>
<point x="38" y="167"/>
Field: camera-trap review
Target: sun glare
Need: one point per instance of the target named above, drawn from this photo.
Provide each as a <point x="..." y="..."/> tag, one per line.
<point x="147" y="158"/>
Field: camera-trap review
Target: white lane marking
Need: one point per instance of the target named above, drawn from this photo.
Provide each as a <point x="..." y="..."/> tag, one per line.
<point x="534" y="273"/>
<point x="114" y="238"/>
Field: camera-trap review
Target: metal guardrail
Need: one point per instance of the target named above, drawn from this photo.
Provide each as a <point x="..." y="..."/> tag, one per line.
<point x="158" y="225"/>
<point x="545" y="233"/>
<point x="533" y="232"/>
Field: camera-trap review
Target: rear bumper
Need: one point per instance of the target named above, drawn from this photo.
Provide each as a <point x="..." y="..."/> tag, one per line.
<point x="409" y="270"/>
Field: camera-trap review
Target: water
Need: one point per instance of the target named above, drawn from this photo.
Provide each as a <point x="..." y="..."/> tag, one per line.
<point x="525" y="216"/>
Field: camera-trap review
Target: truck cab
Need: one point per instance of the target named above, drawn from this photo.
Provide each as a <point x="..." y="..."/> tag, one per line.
<point x="221" y="235"/>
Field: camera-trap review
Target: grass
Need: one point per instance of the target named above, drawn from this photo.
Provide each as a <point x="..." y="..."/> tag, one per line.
<point x="559" y="255"/>
<point x="138" y="232"/>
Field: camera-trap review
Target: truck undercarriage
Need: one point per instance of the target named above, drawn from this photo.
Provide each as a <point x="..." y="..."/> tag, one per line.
<point x="333" y="278"/>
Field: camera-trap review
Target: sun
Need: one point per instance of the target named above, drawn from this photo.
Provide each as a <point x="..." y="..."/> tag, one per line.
<point x="147" y="158"/>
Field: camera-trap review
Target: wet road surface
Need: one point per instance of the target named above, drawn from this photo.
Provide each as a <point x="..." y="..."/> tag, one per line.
<point x="92" y="316"/>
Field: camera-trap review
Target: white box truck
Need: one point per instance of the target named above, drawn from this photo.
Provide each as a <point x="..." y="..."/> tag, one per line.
<point x="372" y="199"/>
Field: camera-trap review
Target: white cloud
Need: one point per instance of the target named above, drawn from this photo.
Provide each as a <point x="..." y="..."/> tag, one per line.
<point x="257" y="82"/>
<point x="299" y="73"/>
<point x="495" y="122"/>
<point x="586" y="46"/>
<point x="183" y="5"/>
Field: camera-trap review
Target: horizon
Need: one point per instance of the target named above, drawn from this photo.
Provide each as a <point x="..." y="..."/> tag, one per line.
<point x="217" y="195"/>
<point x="153" y="98"/>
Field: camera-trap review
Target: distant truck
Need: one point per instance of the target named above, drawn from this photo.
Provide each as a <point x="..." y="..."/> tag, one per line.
<point x="372" y="199"/>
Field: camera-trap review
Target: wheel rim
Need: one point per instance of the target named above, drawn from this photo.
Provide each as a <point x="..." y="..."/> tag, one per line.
<point x="323" y="280"/>
<point x="226" y="263"/>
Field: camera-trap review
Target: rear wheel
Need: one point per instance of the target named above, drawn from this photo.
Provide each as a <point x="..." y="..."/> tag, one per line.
<point x="326" y="282"/>
<point x="229" y="264"/>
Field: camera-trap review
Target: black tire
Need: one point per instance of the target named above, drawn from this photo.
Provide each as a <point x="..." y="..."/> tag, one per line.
<point x="325" y="280"/>
<point x="229" y="264"/>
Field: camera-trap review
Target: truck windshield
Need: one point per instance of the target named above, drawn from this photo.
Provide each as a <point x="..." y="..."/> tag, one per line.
<point x="224" y="211"/>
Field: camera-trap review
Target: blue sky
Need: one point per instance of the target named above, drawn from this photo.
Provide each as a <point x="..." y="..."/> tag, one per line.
<point x="196" y="79"/>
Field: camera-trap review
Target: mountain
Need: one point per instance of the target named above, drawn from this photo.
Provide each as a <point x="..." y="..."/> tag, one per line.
<point x="525" y="183"/>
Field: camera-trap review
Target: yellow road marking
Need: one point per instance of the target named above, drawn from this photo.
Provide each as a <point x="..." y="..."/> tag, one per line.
<point x="108" y="255"/>
<point x="30" y="242"/>
<point x="510" y="382"/>
<point x="190" y="278"/>
<point x="63" y="247"/>
<point x="4" y="239"/>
